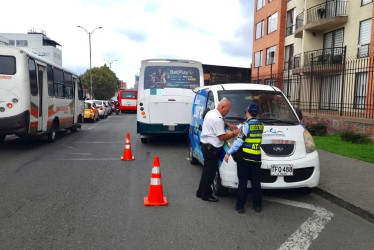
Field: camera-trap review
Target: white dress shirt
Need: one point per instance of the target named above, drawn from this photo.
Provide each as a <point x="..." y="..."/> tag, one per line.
<point x="213" y="126"/>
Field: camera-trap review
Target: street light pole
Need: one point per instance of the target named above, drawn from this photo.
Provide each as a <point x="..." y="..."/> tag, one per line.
<point x="89" y="42"/>
<point x="110" y="63"/>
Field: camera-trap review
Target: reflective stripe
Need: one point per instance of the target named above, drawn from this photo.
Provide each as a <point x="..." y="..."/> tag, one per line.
<point x="253" y="140"/>
<point x="156" y="170"/>
<point x="155" y="181"/>
<point x="252" y="151"/>
<point x="127" y="146"/>
<point x="127" y="141"/>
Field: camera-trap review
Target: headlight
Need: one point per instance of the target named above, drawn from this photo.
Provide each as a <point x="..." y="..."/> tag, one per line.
<point x="309" y="142"/>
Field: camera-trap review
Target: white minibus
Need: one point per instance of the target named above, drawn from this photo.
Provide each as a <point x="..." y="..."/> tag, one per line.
<point x="37" y="96"/>
<point x="165" y="96"/>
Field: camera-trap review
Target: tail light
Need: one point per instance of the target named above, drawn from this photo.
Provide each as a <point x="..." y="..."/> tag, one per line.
<point x="101" y="107"/>
<point x="92" y="110"/>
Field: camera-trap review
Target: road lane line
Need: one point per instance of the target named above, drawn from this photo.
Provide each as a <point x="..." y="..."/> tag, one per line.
<point x="92" y="159"/>
<point x="302" y="238"/>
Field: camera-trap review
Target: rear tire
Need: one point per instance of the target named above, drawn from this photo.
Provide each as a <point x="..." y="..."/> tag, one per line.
<point x="52" y="133"/>
<point x="218" y="189"/>
<point x="193" y="160"/>
<point x="144" y="140"/>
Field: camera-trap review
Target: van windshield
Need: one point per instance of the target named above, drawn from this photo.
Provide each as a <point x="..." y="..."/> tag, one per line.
<point x="274" y="108"/>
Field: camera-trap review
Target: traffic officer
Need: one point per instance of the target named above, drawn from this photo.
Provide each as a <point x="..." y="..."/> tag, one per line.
<point x="249" y="139"/>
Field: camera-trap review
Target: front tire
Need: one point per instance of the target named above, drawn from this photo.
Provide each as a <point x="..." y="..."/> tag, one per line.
<point x="52" y="133"/>
<point x="193" y="160"/>
<point x="218" y="189"/>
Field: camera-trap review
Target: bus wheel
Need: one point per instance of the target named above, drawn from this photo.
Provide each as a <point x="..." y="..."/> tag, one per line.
<point x="52" y="133"/>
<point x="193" y="160"/>
<point x="144" y="140"/>
<point x="218" y="189"/>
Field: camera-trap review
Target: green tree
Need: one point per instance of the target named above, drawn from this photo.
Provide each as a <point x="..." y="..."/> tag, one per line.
<point x="104" y="82"/>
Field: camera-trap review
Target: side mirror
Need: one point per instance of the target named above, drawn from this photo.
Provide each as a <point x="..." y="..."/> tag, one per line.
<point x="299" y="114"/>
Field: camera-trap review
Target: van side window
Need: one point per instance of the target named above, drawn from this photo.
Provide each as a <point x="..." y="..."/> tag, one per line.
<point x="210" y="102"/>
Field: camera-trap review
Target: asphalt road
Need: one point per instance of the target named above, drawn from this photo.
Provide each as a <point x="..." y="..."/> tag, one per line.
<point x="76" y="193"/>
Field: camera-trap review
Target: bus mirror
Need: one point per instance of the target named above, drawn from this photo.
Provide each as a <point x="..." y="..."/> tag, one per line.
<point x="299" y="114"/>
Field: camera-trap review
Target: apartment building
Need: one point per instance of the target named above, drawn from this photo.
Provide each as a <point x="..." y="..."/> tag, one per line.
<point x="35" y="42"/>
<point x="324" y="54"/>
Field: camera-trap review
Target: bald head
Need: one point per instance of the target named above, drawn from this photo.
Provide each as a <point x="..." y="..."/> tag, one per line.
<point x="224" y="107"/>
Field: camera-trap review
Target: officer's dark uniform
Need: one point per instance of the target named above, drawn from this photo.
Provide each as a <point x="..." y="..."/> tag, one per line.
<point x="250" y="167"/>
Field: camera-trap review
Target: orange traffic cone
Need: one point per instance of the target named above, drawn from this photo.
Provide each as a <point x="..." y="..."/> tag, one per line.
<point x="127" y="154"/>
<point x="155" y="194"/>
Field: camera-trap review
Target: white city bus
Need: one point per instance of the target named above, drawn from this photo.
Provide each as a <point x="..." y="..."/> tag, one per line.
<point x="165" y="96"/>
<point x="36" y="96"/>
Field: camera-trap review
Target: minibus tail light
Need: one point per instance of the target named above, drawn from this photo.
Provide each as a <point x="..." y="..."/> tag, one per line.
<point x="9" y="105"/>
<point x="309" y="142"/>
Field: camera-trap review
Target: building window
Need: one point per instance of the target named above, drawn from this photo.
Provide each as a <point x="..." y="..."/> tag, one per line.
<point x="270" y="55"/>
<point x="364" y="38"/>
<point x="270" y="1"/>
<point x="272" y="23"/>
<point x="330" y="90"/>
<point x="11" y="42"/>
<point x="288" y="57"/>
<point x="290" y="22"/>
<point x="258" y="59"/>
<point x="260" y="29"/>
<point x="21" y="43"/>
<point x="360" y="90"/>
<point x="260" y="4"/>
<point x="364" y="2"/>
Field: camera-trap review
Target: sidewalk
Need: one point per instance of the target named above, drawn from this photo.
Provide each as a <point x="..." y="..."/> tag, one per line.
<point x="347" y="182"/>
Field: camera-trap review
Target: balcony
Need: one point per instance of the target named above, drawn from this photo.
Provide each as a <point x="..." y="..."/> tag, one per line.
<point x="321" y="61"/>
<point x="323" y="16"/>
<point x="299" y="25"/>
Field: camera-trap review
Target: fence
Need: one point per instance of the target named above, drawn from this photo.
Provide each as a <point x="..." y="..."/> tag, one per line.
<point x="323" y="88"/>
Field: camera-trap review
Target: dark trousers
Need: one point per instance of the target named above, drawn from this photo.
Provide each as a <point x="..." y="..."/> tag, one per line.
<point x="211" y="158"/>
<point x="248" y="170"/>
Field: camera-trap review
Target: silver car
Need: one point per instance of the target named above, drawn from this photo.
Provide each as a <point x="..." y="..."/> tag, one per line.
<point x="103" y="109"/>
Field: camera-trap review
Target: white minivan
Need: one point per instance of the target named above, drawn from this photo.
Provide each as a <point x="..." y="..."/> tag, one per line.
<point x="289" y="156"/>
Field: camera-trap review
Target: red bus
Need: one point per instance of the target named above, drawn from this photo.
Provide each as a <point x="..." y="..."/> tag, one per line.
<point x="127" y="99"/>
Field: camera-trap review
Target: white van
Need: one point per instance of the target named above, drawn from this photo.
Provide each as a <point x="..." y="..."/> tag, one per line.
<point x="289" y="156"/>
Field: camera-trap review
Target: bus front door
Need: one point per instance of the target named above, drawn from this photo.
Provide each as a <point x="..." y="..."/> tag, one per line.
<point x="43" y="111"/>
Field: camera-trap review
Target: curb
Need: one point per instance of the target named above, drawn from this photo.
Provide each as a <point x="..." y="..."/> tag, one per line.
<point x="365" y="214"/>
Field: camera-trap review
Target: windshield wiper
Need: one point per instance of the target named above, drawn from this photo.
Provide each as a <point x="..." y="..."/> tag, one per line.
<point x="274" y="121"/>
<point x="235" y="118"/>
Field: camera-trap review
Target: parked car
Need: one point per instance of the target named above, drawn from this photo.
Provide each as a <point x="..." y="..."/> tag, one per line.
<point x="103" y="110"/>
<point x="91" y="112"/>
<point x="109" y="108"/>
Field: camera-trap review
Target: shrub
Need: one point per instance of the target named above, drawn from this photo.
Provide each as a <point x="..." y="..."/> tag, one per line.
<point x="354" y="137"/>
<point x="318" y="129"/>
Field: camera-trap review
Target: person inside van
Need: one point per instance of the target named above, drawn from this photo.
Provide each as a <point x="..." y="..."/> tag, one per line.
<point x="212" y="138"/>
<point x="249" y="141"/>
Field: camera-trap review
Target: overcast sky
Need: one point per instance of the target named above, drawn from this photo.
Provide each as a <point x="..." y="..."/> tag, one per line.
<point x="217" y="32"/>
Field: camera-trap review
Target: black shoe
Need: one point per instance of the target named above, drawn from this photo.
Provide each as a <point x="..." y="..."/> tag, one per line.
<point x="258" y="209"/>
<point x="239" y="210"/>
<point x="198" y="195"/>
<point x="211" y="199"/>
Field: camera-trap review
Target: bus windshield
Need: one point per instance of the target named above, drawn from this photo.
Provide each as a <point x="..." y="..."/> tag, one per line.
<point x="274" y="108"/>
<point x="128" y="95"/>
<point x="159" y="77"/>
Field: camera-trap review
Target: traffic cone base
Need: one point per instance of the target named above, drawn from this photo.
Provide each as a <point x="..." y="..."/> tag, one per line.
<point x="126" y="158"/>
<point x="148" y="203"/>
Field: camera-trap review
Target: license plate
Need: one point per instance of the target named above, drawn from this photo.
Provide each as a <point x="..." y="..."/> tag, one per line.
<point x="281" y="170"/>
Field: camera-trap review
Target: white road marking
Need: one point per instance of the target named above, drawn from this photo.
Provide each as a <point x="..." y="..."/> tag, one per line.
<point x="90" y="142"/>
<point x="302" y="238"/>
<point x="79" y="153"/>
<point x="93" y="159"/>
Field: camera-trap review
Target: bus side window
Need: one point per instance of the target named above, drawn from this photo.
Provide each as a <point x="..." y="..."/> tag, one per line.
<point x="32" y="74"/>
<point x="68" y="84"/>
<point x="80" y="90"/>
<point x="50" y="81"/>
<point x="58" y="83"/>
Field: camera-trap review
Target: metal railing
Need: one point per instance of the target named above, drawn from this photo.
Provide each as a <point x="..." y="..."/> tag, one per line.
<point x="329" y="9"/>
<point x="300" y="20"/>
<point x="324" y="56"/>
<point x="290" y="30"/>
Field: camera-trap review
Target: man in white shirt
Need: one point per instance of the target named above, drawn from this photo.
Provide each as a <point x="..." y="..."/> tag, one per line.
<point x="212" y="138"/>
